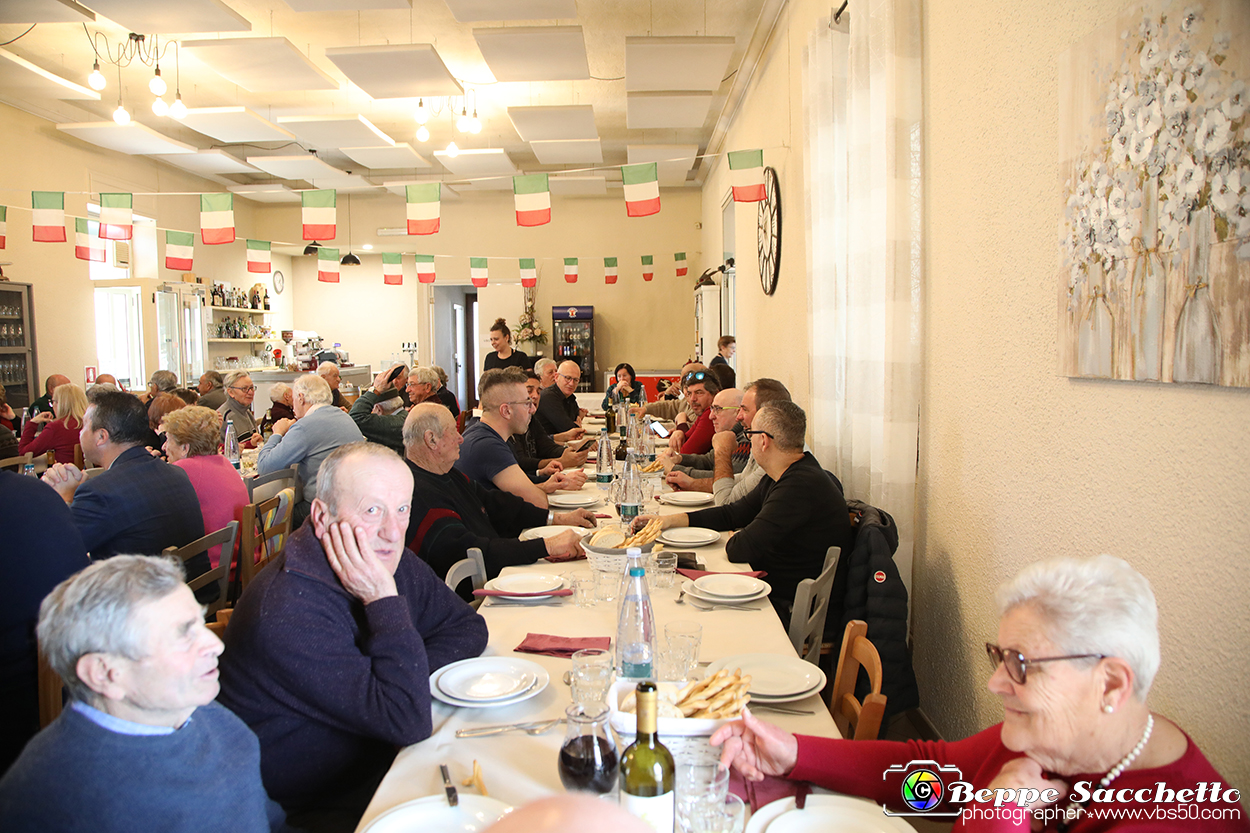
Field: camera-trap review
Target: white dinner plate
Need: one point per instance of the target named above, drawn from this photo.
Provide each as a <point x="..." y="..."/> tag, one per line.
<point x="491" y="678"/>
<point x="764" y="699"/>
<point x="574" y="500"/>
<point x="685" y="498"/>
<point x="728" y="585"/>
<point x="773" y="675"/>
<point x="546" y="532"/>
<point x="689" y="536"/>
<point x="822" y="813"/>
<point x="693" y="591"/>
<point x="432" y="815"/>
<point x="526" y="583"/>
<point x="541" y="679"/>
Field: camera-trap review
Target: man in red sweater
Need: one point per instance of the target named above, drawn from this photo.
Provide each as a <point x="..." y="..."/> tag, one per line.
<point x="694" y="431"/>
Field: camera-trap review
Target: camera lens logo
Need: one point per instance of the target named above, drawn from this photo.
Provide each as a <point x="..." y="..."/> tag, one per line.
<point x="922" y="790"/>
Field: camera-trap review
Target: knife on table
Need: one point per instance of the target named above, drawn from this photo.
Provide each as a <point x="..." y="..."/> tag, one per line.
<point x="452" y="798"/>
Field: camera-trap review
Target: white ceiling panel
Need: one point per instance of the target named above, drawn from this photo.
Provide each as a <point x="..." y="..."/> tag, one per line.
<point x="397" y="71"/>
<point x="534" y="53"/>
<point x="345" y="183"/>
<point x="132" y="138"/>
<point x="346" y="5"/>
<point x="575" y="152"/>
<point x="336" y="131"/>
<point x="272" y="192"/>
<point x="472" y="11"/>
<point x="304" y="166"/>
<point x="148" y="17"/>
<point x="400" y="156"/>
<point x="569" y="121"/>
<point x="44" y="11"/>
<point x="478" y="162"/>
<point x="653" y="64"/>
<point x="208" y="163"/>
<point x="234" y="124"/>
<point x="577" y="186"/>
<point x="260" y="64"/>
<point x="645" y="111"/>
<point x="20" y="78"/>
<point x="674" y="160"/>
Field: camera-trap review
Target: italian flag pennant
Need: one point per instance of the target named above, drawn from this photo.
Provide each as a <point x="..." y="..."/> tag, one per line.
<point x="258" y="256"/>
<point x="533" y="199"/>
<point x="86" y="247"/>
<point x="328" y="265"/>
<point x="609" y="270"/>
<point x="642" y="189"/>
<point x="570" y="270"/>
<point x="47" y="220"/>
<point x="217" y="218"/>
<point x="179" y="250"/>
<point x="477" y="270"/>
<point x="116" y="218"/>
<point x="425" y="268"/>
<point x="424" y="208"/>
<point x="746" y="174"/>
<point x="680" y="260"/>
<point x="648" y="267"/>
<point x="319" y="214"/>
<point x="529" y="275"/>
<point x="392" y="268"/>
<point x="4" y="224"/>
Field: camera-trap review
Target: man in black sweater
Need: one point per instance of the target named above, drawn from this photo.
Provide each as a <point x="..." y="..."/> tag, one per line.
<point x="789" y="521"/>
<point x="558" y="413"/>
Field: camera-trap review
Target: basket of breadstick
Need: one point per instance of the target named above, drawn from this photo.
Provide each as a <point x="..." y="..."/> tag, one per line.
<point x="654" y="467"/>
<point x="606" y="546"/>
<point x="696" y="708"/>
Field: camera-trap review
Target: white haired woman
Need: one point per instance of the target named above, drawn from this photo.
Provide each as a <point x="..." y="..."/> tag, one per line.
<point x="1077" y="650"/>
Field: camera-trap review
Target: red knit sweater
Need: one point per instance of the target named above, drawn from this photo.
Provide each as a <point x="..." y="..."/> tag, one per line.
<point x="54" y="437"/>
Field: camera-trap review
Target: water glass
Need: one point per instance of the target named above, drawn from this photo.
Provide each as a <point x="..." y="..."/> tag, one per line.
<point x="726" y="816"/>
<point x="665" y="569"/>
<point x="607" y="584"/>
<point x="688" y="637"/>
<point x="583" y="583"/>
<point x="592" y="675"/>
<point x="701" y="788"/>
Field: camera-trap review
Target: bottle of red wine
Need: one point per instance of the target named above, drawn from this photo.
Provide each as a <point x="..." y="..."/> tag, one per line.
<point x="647" y="771"/>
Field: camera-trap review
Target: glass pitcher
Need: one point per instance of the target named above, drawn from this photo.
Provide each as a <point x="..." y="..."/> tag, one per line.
<point x="588" y="757"/>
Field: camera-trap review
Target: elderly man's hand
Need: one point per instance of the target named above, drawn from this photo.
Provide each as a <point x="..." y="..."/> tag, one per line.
<point x="381" y="382"/>
<point x="756" y="748"/>
<point x="65" y="478"/>
<point x="676" y="440"/>
<point x="571" y="459"/>
<point x="679" y="480"/>
<point x="353" y="561"/>
<point x="551" y="468"/>
<point x="566" y="545"/>
<point x="573" y="480"/>
<point x="578" y="517"/>
<point x="282" y="426"/>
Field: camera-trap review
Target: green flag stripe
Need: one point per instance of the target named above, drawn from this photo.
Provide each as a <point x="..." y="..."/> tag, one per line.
<point x="679" y="256"/>
<point x="739" y="159"/>
<point x="116" y="201"/>
<point x="530" y="184"/>
<point x="570" y="261"/>
<point x="609" y="261"/>
<point x="424" y="192"/>
<point x="477" y="263"/>
<point x="425" y="258"/>
<point x="648" y="260"/>
<point x="216" y="202"/>
<point x="638" y="174"/>
<point x="4" y="213"/>
<point x="179" y="238"/>
<point x="80" y="225"/>
<point x="327" y="254"/>
<point x="392" y="257"/>
<point x="323" y="198"/>
<point x="527" y="263"/>
<point x="47" y="199"/>
<point x="258" y="245"/>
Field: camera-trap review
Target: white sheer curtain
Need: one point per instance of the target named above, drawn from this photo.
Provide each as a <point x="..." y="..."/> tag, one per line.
<point x="862" y="111"/>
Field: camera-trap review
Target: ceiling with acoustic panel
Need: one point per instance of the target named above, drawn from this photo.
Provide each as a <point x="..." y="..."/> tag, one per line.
<point x="474" y="11"/>
<point x="132" y="138"/>
<point x="163" y="17"/>
<point x="208" y="163"/>
<point x="396" y="71"/>
<point x="335" y="131"/>
<point x="44" y="11"/>
<point x="235" y="124"/>
<point x="260" y="65"/>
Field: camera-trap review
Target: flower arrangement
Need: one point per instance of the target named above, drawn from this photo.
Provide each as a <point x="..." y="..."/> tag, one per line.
<point x="528" y="328"/>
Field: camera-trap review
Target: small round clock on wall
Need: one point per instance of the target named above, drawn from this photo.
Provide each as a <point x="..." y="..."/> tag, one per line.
<point x="768" y="234"/>
<point x="279" y="283"/>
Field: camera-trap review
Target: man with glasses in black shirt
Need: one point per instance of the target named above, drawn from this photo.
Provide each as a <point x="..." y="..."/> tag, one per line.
<point x="558" y="412"/>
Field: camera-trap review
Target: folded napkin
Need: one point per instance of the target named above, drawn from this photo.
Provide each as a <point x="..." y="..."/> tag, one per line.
<point x="556" y="559"/>
<point x="545" y="593"/>
<point x="696" y="574"/>
<point x="560" y="646"/>
<point x="761" y="793"/>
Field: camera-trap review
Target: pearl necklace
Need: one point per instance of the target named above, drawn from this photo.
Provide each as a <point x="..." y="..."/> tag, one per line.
<point x="1112" y="774"/>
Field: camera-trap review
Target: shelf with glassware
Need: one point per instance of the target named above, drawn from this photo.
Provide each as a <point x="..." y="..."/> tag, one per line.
<point x="19" y="373"/>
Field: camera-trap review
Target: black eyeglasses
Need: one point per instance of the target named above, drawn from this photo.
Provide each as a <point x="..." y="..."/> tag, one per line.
<point x="765" y="433"/>
<point x="1017" y="665"/>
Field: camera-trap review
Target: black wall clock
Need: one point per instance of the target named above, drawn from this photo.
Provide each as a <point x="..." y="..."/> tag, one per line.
<point x="768" y="232"/>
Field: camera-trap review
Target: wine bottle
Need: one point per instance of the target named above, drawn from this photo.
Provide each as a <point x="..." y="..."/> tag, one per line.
<point x="647" y="771"/>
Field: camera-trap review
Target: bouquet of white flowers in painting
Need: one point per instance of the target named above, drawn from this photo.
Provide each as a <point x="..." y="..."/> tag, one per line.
<point x="528" y="328"/>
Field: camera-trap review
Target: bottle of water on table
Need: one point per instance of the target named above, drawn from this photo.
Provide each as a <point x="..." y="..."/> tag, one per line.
<point x="635" y="630"/>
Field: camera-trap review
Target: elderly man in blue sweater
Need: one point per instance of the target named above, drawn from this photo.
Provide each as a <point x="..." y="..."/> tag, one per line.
<point x="330" y="649"/>
<point x="141" y="745"/>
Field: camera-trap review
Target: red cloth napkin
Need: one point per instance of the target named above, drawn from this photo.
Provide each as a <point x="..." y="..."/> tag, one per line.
<point x="761" y="793"/>
<point x="511" y="595"/>
<point x="697" y="574"/>
<point x="557" y="559"/>
<point x="560" y="646"/>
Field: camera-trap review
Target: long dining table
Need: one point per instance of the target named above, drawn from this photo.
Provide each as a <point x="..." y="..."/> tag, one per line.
<point x="519" y="767"/>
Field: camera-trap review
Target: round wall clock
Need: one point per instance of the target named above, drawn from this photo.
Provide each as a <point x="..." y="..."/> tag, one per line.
<point x="279" y="282"/>
<point x="768" y="233"/>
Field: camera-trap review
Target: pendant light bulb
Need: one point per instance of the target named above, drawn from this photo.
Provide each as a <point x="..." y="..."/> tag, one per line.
<point x="422" y="114"/>
<point x="159" y="107"/>
<point x="178" y="110"/>
<point x="157" y="85"/>
<point x="423" y="134"/>
<point x="120" y="115"/>
<point x="452" y="151"/>
<point x="96" y="78"/>
<point x="475" y="124"/>
<point x="462" y="121"/>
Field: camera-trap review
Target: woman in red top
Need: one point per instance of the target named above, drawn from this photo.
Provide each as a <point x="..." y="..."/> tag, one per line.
<point x="60" y="433"/>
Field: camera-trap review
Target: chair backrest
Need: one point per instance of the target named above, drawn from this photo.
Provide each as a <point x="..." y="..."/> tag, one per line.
<point x="226" y="537"/>
<point x="78" y="458"/>
<point x="811" y="604"/>
<point x="93" y="472"/>
<point x="20" y="461"/>
<point x="856" y="720"/>
<point x="264" y="486"/>
<point x="264" y="531"/>
<point x="223" y="619"/>
<point x="50" y="698"/>
<point x="473" y="566"/>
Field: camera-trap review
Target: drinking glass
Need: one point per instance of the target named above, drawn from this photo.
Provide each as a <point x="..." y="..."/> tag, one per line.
<point x="672" y="663"/>
<point x="592" y="675"/>
<point x="607" y="584"/>
<point x="665" y="569"/>
<point x="725" y="816"/>
<point x="701" y="787"/>
<point x="583" y="583"/>
<point x="588" y="758"/>
<point x="688" y="635"/>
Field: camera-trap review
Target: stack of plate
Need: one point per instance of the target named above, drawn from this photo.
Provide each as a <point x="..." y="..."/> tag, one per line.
<point x="685" y="498"/>
<point x="547" y="532"/>
<point x="525" y="585"/>
<point x="574" y="500"/>
<point x="689" y="536"/>
<point x="843" y="813"/>
<point x="775" y="678"/>
<point x="484" y="682"/>
<point x="727" y="589"/>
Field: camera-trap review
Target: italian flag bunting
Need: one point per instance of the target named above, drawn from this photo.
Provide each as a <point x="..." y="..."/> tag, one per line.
<point x="642" y="189"/>
<point x="609" y="270"/>
<point x="570" y="270"/>
<point x="4" y="224"/>
<point x="328" y="265"/>
<point x="529" y="275"/>
<point x="477" y="271"/>
<point x="533" y="199"/>
<point x="179" y="250"/>
<point x="319" y="214"/>
<point x="746" y="174"/>
<point x="116" y="218"/>
<point x="258" y="256"/>
<point x="217" y="218"/>
<point x="680" y="260"/>
<point x="86" y="247"/>
<point x="425" y="268"/>
<point x="648" y="267"/>
<point x="47" y="220"/>
<point x="392" y="268"/>
<point x="423" y="208"/>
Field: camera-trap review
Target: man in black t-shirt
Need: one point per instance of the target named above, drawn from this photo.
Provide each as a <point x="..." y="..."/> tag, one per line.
<point x="557" y="407"/>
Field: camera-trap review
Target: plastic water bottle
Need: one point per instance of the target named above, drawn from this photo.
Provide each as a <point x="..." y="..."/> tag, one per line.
<point x="232" y="447"/>
<point x="631" y="490"/>
<point x="605" y="461"/>
<point x="635" y="629"/>
<point x="648" y="444"/>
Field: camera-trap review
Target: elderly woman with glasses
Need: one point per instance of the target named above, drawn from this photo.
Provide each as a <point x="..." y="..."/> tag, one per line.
<point x="1077" y="650"/>
<point x="240" y="391"/>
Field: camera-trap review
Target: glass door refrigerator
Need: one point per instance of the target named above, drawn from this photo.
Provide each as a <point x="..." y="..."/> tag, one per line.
<point x="573" y="339"/>
<point x="181" y="330"/>
<point x="18" y="372"/>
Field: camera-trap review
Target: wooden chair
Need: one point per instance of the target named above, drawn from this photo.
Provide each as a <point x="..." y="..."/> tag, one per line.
<point x="811" y="604"/>
<point x="19" y="461"/>
<point x="264" y="486"/>
<point x="472" y="567"/>
<point x="265" y="528"/>
<point x="226" y="538"/>
<point x="223" y="619"/>
<point x="93" y="472"/>
<point x="50" y="698"/>
<point x="856" y="720"/>
<point x="78" y="458"/>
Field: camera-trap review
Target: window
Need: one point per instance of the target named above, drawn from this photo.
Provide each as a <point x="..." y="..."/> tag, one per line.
<point x="120" y="255"/>
<point x="118" y="334"/>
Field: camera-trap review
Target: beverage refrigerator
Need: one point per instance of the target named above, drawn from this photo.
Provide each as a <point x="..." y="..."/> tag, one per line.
<point x="18" y="371"/>
<point x="573" y="339"/>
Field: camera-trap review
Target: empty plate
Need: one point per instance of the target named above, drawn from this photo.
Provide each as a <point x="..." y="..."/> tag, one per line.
<point x="547" y="532"/>
<point x="491" y="678"/>
<point x="729" y="585"/>
<point x="526" y="583"/>
<point x="693" y="592"/>
<point x="472" y="813"/>
<point x="689" y="536"/>
<point x="574" y="500"/>
<point x="843" y="813"/>
<point x="520" y="666"/>
<point x="773" y="675"/>
<point x="685" y="498"/>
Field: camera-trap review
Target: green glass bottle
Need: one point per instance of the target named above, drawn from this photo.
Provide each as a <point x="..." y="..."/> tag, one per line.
<point x="647" y="771"/>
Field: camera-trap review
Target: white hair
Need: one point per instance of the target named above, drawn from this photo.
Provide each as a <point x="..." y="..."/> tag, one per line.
<point x="1097" y="605"/>
<point x="279" y="391"/>
<point x="323" y="368"/>
<point x="541" y="365"/>
<point x="314" y="389"/>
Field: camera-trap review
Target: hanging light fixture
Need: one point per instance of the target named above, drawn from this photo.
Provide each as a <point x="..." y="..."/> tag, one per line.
<point x="462" y="121"/>
<point x="157" y="85"/>
<point x="120" y="115"/>
<point x="423" y="134"/>
<point x="178" y="110"/>
<point x="475" y="124"/>
<point x="159" y="107"/>
<point x="96" y="79"/>
<point x="452" y="151"/>
<point x="311" y="248"/>
<point x="422" y="113"/>
<point x="349" y="259"/>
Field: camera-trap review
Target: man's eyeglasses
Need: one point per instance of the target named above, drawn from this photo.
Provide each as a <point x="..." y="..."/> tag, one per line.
<point x="765" y="433"/>
<point x="247" y="389"/>
<point x="569" y="378"/>
<point x="725" y="408"/>
<point x="1017" y="665"/>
